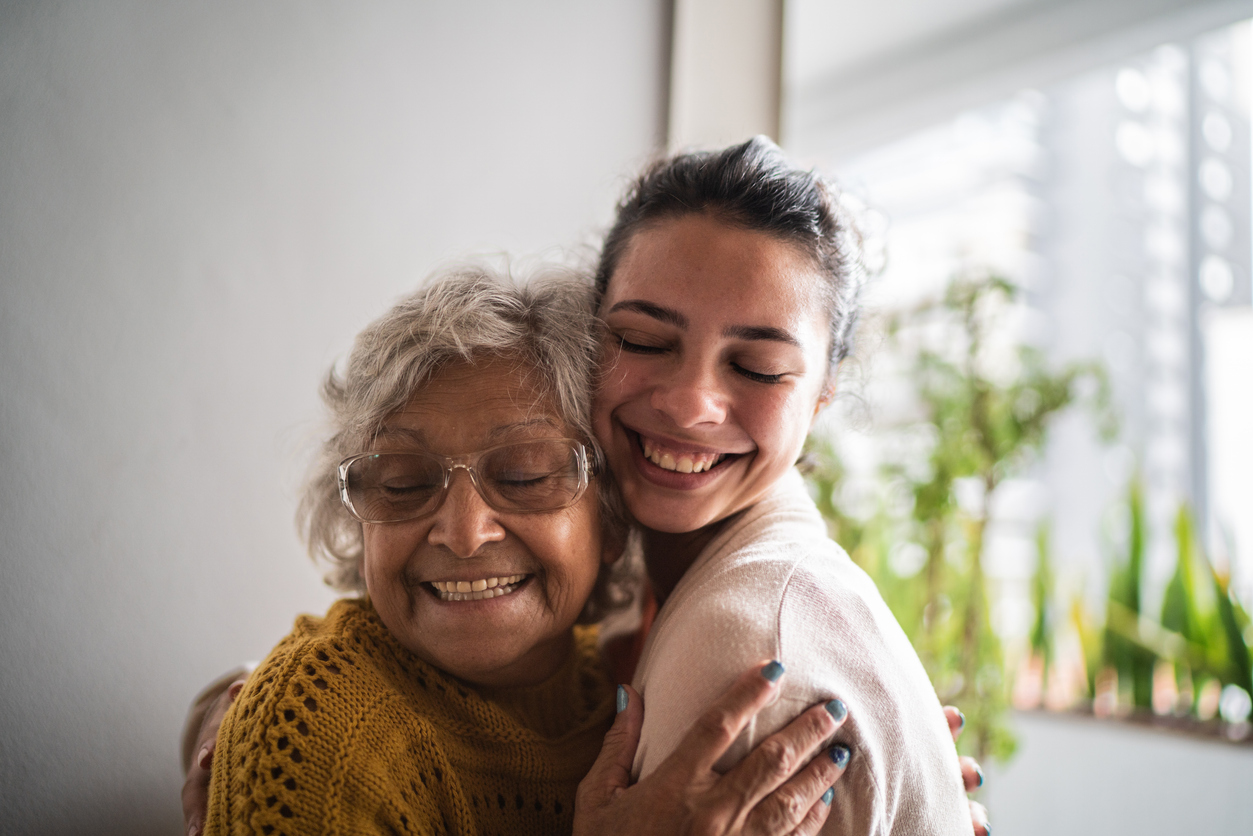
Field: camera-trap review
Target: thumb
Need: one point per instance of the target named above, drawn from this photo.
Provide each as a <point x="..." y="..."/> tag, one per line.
<point x="611" y="773"/>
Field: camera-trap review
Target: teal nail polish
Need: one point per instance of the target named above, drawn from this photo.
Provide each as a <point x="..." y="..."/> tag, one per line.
<point x="772" y="672"/>
<point x="962" y="717"/>
<point x="622" y="699"/>
<point x="828" y="795"/>
<point x="979" y="772"/>
<point x="838" y="710"/>
<point x="987" y="830"/>
<point x="841" y="755"/>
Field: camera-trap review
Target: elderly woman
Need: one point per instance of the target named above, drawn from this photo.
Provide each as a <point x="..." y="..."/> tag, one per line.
<point x="460" y="496"/>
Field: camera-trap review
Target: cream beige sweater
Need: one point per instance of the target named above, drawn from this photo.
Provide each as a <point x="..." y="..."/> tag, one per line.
<point x="774" y="586"/>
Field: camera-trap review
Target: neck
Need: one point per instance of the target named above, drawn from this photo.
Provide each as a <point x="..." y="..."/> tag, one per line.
<point x="668" y="556"/>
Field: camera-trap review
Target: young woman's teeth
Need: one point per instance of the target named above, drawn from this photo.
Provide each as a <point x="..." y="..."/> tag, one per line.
<point x="681" y="463"/>
<point x="476" y="590"/>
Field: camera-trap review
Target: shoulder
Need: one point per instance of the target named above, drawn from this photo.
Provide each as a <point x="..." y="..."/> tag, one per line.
<point x="342" y="656"/>
<point x="288" y="739"/>
<point x="839" y="639"/>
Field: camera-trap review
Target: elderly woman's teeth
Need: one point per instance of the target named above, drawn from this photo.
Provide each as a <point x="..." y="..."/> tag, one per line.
<point x="682" y="462"/>
<point x="476" y="590"/>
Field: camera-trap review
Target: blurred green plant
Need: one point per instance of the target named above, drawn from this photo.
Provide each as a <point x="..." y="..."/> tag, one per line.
<point x="985" y="402"/>
<point x="1125" y="647"/>
<point x="1200" y="633"/>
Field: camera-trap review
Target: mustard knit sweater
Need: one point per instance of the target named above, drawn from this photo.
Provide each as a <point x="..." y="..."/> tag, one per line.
<point x="343" y="731"/>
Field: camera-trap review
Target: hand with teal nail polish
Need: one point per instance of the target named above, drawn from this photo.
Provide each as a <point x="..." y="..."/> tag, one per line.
<point x="686" y="795"/>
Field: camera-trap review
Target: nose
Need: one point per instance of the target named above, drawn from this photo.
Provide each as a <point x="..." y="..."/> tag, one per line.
<point x="691" y="395"/>
<point x="464" y="522"/>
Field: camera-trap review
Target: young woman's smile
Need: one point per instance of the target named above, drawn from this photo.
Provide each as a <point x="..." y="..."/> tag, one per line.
<point x="715" y="362"/>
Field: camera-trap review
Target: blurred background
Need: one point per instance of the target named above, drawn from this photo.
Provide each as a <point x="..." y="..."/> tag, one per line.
<point x="1039" y="455"/>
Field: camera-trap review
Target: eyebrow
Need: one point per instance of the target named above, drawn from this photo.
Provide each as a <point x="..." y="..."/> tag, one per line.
<point x="760" y="332"/>
<point x="666" y="315"/>
<point x="670" y="316"/>
<point x="418" y="437"/>
<point x="508" y="429"/>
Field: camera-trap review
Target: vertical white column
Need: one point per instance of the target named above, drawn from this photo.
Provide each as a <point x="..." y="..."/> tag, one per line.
<point x="725" y="71"/>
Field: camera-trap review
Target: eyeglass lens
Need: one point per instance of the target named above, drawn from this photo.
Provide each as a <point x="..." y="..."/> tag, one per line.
<point x="535" y="476"/>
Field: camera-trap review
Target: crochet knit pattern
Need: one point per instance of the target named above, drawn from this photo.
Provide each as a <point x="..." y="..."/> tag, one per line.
<point x="341" y="730"/>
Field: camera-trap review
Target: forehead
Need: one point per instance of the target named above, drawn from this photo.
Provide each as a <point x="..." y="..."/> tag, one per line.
<point x="466" y="406"/>
<point x="698" y="258"/>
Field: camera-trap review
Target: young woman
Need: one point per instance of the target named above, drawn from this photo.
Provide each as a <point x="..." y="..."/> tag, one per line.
<point x="728" y="286"/>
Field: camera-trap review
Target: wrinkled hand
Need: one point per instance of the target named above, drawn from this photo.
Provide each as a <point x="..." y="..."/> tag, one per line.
<point x="782" y="787"/>
<point x="196" y="782"/>
<point x="972" y="775"/>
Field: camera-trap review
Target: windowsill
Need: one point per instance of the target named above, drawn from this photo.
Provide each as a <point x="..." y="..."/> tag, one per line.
<point x="1217" y="731"/>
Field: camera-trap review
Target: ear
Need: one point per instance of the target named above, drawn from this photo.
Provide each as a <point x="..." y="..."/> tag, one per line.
<point x="612" y="548"/>
<point x="825" y="397"/>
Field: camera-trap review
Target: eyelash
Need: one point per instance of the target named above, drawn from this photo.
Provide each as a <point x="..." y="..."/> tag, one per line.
<point x="636" y="348"/>
<point x="756" y="376"/>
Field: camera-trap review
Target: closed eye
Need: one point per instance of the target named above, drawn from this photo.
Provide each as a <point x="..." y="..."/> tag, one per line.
<point x="757" y="377"/>
<point x="638" y="348"/>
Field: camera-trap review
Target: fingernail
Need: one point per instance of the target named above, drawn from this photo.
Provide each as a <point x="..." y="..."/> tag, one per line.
<point x="838" y="710"/>
<point x="623" y="699"/>
<point x="828" y="795"/>
<point x="979" y="772"/>
<point x="987" y="830"/>
<point x="194" y="830"/>
<point x="841" y="754"/>
<point x="962" y="717"/>
<point x="202" y="759"/>
<point x="772" y="672"/>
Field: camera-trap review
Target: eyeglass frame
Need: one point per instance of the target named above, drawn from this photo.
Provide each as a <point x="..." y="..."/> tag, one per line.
<point x="588" y="466"/>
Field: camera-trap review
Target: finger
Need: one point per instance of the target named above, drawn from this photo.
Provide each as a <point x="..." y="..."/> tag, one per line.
<point x="195" y="800"/>
<point x="791" y="807"/>
<point x="972" y="775"/>
<point x="817" y="815"/>
<point x="611" y="773"/>
<point x="773" y="762"/>
<point x="715" y="730"/>
<point x="196" y="784"/>
<point x="979" y="819"/>
<point x="956" y="721"/>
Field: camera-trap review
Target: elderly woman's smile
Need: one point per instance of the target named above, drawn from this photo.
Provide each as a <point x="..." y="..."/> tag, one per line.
<point x="486" y="594"/>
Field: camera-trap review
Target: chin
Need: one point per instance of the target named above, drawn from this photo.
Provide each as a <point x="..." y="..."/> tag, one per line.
<point x="670" y="517"/>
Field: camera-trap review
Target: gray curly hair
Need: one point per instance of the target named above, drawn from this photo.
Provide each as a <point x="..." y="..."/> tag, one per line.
<point x="465" y="314"/>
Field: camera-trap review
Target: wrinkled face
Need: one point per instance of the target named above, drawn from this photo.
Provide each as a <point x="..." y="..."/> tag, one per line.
<point x="714" y="365"/>
<point x="547" y="561"/>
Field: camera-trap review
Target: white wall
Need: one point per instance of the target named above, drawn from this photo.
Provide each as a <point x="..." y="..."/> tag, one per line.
<point x="200" y="204"/>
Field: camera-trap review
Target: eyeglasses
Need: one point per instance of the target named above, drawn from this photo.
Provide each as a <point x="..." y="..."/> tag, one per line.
<point x="533" y="476"/>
